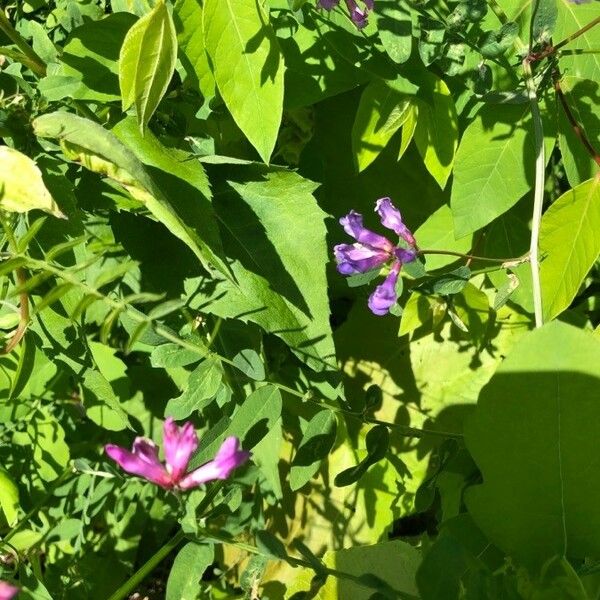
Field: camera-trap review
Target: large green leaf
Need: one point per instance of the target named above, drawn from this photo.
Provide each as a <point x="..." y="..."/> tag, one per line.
<point x="570" y="242"/>
<point x="494" y="166"/>
<point x="101" y="151"/>
<point x="394" y="25"/>
<point x="9" y="496"/>
<point x="247" y="66"/>
<point x="381" y="112"/>
<point x="147" y="62"/>
<point x="188" y="22"/>
<point x="273" y="230"/>
<point x="534" y="437"/>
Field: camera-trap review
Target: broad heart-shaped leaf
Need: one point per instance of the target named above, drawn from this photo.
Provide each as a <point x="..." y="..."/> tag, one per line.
<point x="569" y="239"/>
<point x="247" y="66"/>
<point x="381" y="112"/>
<point x="494" y="166"/>
<point x="273" y="230"/>
<point x="191" y="220"/>
<point x="187" y="570"/>
<point x="534" y="436"/>
<point x="147" y="62"/>
<point x="436" y="133"/>
<point x="21" y="185"/>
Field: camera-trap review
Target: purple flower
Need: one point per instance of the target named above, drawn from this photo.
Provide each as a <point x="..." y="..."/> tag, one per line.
<point x="372" y="251"/>
<point x="7" y="591"/>
<point x="384" y="296"/>
<point x="358" y="15"/>
<point x="180" y="443"/>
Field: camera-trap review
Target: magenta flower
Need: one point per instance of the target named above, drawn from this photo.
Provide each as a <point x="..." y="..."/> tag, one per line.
<point x="180" y="444"/>
<point x="372" y="251"/>
<point x="7" y="591"/>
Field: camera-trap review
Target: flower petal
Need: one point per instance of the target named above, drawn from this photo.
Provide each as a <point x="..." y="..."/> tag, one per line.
<point x="404" y="255"/>
<point x="353" y="225"/>
<point x="228" y="458"/>
<point x="142" y="462"/>
<point x="179" y="443"/>
<point x="357" y="258"/>
<point x="384" y="296"/>
<point x="7" y="591"/>
<point x="392" y="219"/>
<point x="358" y="16"/>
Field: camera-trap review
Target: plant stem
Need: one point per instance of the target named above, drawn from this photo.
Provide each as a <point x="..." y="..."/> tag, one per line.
<point x="129" y="586"/>
<point x="579" y="132"/>
<point x="553" y="49"/>
<point x="518" y="259"/>
<point x="538" y="193"/>
<point x="36" y="64"/>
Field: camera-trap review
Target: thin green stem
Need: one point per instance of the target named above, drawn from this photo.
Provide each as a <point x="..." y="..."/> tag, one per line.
<point x="517" y="260"/>
<point x="35" y="63"/>
<point x="538" y="192"/>
<point x="134" y="581"/>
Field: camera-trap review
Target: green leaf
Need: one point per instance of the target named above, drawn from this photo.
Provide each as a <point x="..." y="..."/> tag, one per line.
<point x="377" y="442"/>
<point x="317" y="440"/>
<point x="408" y="129"/>
<point x="173" y="355"/>
<point x="437" y="233"/>
<point x="381" y="112"/>
<point x="249" y="362"/>
<point x="47" y="438"/>
<point x="539" y="413"/>
<point x="266" y="455"/>
<point x="496" y="43"/>
<point x="416" y="313"/>
<point x="9" y="496"/>
<point x="147" y="62"/>
<point x="203" y="384"/>
<point x="571" y="245"/>
<point x="187" y="15"/>
<point x="101" y="151"/>
<point x="247" y="66"/>
<point x="544" y="20"/>
<point x="21" y="185"/>
<point x="188" y="567"/>
<point x="494" y="166"/>
<point x="102" y="404"/>
<point x="436" y="133"/>
<point x="389" y="567"/>
<point x="279" y="261"/>
<point x="89" y="61"/>
<point x="394" y="25"/>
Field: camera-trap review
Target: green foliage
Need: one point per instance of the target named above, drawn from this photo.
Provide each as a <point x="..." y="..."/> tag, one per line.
<point x="194" y="159"/>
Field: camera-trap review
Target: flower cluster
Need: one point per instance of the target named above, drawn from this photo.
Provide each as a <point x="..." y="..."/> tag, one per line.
<point x="180" y="444"/>
<point x="357" y="14"/>
<point x="371" y="251"/>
